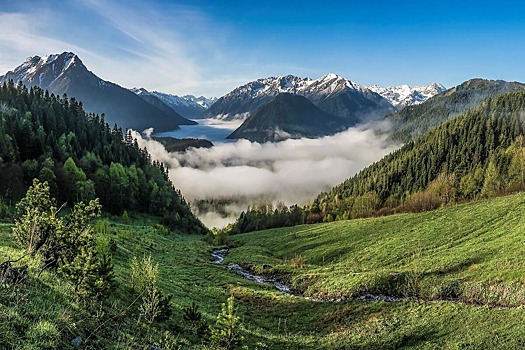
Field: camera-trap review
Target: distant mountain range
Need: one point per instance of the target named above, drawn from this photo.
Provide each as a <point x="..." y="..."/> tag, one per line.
<point x="338" y="103"/>
<point x="330" y="93"/>
<point x="288" y="116"/>
<point x="350" y="102"/>
<point x="66" y="74"/>
<point x="404" y="95"/>
<point x="188" y="106"/>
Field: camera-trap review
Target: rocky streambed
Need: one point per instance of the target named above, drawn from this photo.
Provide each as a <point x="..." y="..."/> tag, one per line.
<point x="220" y="254"/>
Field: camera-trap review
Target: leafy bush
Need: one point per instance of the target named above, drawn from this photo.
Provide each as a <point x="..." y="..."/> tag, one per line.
<point x="66" y="242"/>
<point x="161" y="229"/>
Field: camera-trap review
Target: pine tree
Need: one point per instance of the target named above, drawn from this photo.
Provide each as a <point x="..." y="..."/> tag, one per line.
<point x="226" y="333"/>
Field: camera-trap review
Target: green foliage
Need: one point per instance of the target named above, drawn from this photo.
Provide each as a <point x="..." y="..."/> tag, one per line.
<point x="66" y="242"/>
<point x="161" y="229"/>
<point x="125" y="217"/>
<point x="219" y="237"/>
<point x="36" y="218"/>
<point x="194" y="321"/>
<point x="470" y="250"/>
<point x="477" y="154"/>
<point x="144" y="273"/>
<point x="226" y="332"/>
<point x="156" y="307"/>
<point x="51" y="138"/>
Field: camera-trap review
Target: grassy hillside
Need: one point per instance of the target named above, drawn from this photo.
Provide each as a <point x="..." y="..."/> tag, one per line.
<point x="474" y="250"/>
<point x="448" y="253"/>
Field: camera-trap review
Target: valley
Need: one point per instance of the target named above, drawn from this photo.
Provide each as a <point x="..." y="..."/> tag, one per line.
<point x="208" y="175"/>
<point x="485" y="237"/>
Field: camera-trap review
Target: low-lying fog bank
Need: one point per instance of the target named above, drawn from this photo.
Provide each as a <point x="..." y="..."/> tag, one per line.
<point x="242" y="173"/>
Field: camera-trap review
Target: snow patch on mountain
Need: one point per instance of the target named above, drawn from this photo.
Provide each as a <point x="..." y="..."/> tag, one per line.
<point x="327" y="85"/>
<point x="404" y="95"/>
<point x="43" y="71"/>
<point x="174" y="100"/>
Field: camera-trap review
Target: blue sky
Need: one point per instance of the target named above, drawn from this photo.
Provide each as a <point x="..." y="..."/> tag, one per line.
<point x="210" y="47"/>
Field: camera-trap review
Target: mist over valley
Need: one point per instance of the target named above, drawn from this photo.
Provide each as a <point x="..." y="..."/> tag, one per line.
<point x="237" y="174"/>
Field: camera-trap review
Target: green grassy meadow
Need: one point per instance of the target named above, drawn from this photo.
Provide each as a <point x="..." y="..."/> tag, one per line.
<point x="461" y="270"/>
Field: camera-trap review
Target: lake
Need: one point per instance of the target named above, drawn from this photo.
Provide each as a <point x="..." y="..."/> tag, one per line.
<point x="213" y="130"/>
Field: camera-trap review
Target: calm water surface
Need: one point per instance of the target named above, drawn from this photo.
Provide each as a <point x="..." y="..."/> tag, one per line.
<point x="210" y="129"/>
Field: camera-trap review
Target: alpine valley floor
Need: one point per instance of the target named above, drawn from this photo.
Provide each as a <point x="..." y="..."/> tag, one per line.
<point x="460" y="270"/>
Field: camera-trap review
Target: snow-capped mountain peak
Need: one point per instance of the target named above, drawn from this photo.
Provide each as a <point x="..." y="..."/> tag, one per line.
<point x="42" y="71"/>
<point x="327" y="90"/>
<point x="188" y="106"/>
<point x="201" y="100"/>
<point x="326" y="85"/>
<point x="404" y="95"/>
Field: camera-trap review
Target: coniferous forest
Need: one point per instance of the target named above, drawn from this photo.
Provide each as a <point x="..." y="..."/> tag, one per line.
<point x="478" y="154"/>
<point x="51" y="138"/>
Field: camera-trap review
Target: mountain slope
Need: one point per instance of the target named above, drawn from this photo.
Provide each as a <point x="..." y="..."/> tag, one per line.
<point x="66" y="74"/>
<point x="404" y="95"/>
<point x="331" y="93"/>
<point x="81" y="157"/>
<point x="187" y="106"/>
<point x="155" y="101"/>
<point x="287" y="116"/>
<point x="476" y="155"/>
<point x="488" y="244"/>
<point x="413" y="121"/>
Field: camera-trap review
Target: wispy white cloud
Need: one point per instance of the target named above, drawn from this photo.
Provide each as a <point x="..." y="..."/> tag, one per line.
<point x="160" y="47"/>
<point x="23" y="35"/>
<point x="163" y="52"/>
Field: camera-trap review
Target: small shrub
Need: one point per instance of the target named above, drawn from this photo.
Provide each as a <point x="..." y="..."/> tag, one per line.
<point x="125" y="217"/>
<point x="218" y="237"/>
<point x="297" y="261"/>
<point x="144" y="273"/>
<point x="167" y="341"/>
<point x="226" y="333"/>
<point x="194" y="321"/>
<point x="156" y="306"/>
<point x="64" y="242"/>
<point x="161" y="229"/>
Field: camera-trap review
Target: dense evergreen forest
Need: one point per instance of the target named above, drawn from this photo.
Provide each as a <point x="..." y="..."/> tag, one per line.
<point x="81" y="157"/>
<point x="476" y="155"/>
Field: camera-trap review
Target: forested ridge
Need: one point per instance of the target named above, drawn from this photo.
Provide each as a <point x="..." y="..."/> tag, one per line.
<point x="413" y="121"/>
<point x="476" y="155"/>
<point x="81" y="157"/>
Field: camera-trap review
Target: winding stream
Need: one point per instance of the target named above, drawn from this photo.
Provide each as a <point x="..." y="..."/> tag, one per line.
<point x="219" y="255"/>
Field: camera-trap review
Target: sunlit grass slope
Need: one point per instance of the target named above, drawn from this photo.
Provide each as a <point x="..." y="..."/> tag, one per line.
<point x="446" y="254"/>
<point x="474" y="252"/>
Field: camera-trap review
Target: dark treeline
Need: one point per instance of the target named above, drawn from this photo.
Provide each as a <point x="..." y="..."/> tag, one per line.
<point x="476" y="155"/>
<point x="81" y="157"/>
